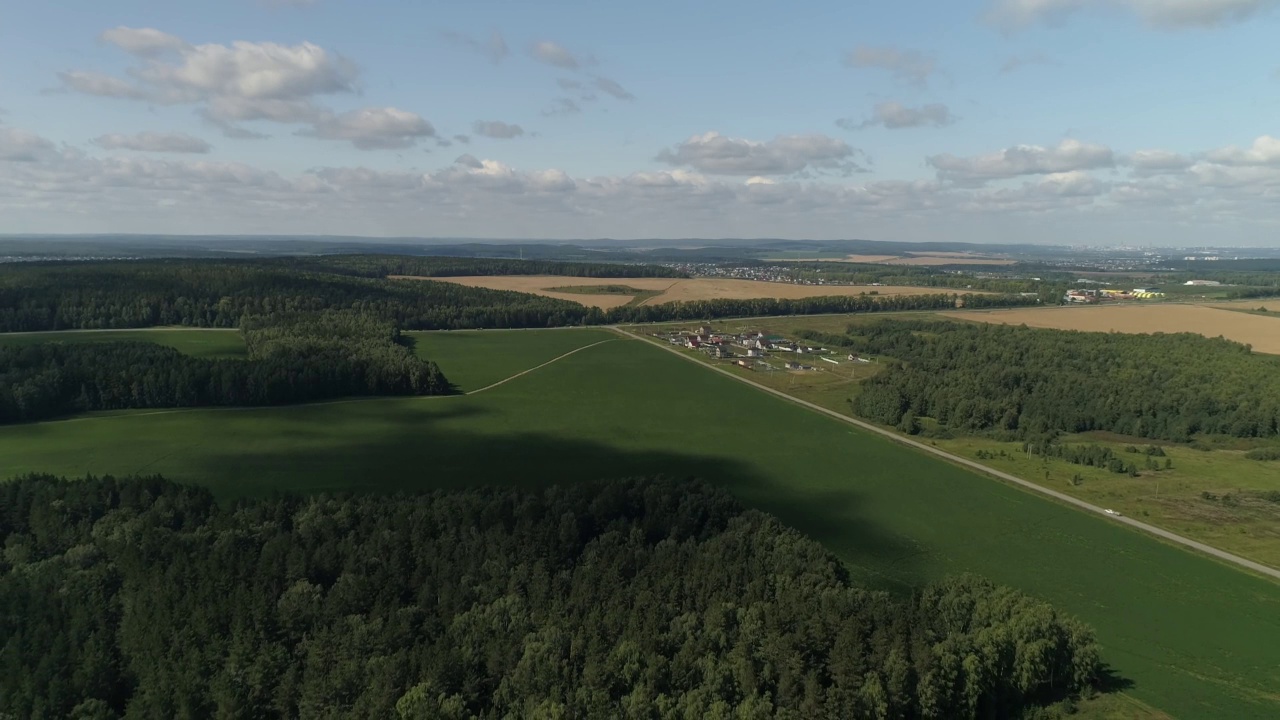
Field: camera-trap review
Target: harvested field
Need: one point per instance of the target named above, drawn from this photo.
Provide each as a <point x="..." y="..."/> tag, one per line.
<point x="673" y="290"/>
<point x="1263" y="333"/>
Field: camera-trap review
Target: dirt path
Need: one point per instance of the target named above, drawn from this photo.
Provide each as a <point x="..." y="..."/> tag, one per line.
<point x="526" y="372"/>
<point x="1062" y="497"/>
<point x="347" y="401"/>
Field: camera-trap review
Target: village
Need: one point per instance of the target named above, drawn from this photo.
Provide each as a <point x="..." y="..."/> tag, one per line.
<point x="753" y="350"/>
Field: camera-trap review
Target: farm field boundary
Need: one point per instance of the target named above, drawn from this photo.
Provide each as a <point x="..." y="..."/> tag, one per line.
<point x="1026" y="484"/>
<point x="1263" y="333"/>
<point x="680" y="290"/>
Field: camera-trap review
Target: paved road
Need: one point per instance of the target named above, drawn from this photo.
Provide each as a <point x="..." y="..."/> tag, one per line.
<point x="1062" y="497"/>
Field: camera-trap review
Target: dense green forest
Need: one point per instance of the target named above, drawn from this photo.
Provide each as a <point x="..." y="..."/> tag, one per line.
<point x="291" y="359"/>
<point x="1027" y="383"/>
<point x="221" y="293"/>
<point x="636" y="599"/>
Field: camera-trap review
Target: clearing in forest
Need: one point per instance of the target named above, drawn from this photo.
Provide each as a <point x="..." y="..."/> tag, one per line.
<point x="1263" y="333"/>
<point x="674" y="290"/>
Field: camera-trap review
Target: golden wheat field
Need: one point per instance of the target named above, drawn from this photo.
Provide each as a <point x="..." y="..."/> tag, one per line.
<point x="1262" y="332"/>
<point x="671" y="290"/>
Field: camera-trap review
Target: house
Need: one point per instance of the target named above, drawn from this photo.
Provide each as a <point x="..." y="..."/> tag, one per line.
<point x="755" y="353"/>
<point x="720" y="351"/>
<point x="704" y="330"/>
<point x="692" y="342"/>
<point x="744" y="363"/>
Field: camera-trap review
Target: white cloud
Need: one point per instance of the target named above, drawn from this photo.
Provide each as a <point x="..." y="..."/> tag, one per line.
<point x="1264" y="151"/>
<point x="1162" y="14"/>
<point x="1156" y="162"/>
<point x="247" y="82"/>
<point x="1068" y="155"/>
<point x="18" y="145"/>
<point x="905" y="65"/>
<point x="896" y="116"/>
<point x="497" y="129"/>
<point x="554" y="54"/>
<point x="716" y="154"/>
<point x="154" y="142"/>
<point x="252" y="71"/>
<point x="93" y="83"/>
<point x="145" y="42"/>
<point x="373" y="128"/>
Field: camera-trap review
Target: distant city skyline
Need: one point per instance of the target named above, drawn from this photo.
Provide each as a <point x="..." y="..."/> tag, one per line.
<point x="1067" y="122"/>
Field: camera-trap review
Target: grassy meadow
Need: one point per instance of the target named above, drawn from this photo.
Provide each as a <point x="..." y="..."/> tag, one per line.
<point x="1194" y="637"/>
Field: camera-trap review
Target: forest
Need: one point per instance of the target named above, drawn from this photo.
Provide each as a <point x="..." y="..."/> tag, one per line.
<point x="290" y="360"/>
<point x="1026" y="383"/>
<point x="221" y="293"/>
<point x="380" y="266"/>
<point x="647" y="598"/>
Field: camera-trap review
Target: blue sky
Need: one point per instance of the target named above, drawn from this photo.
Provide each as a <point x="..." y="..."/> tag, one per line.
<point x="1099" y="122"/>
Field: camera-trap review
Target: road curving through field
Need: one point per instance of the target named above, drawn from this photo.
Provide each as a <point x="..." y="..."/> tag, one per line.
<point x="986" y="470"/>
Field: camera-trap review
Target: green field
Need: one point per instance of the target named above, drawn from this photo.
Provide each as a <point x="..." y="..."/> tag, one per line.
<point x="473" y="359"/>
<point x="1197" y="638"/>
<point x="197" y="342"/>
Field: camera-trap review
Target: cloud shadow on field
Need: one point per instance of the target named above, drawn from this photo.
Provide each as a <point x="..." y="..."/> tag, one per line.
<point x="411" y="450"/>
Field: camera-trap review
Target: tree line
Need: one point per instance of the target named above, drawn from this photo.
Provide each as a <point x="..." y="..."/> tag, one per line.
<point x="300" y="359"/>
<point x="138" y="597"/>
<point x="1028" y="383"/>
<point x="221" y="293"/>
<point x="380" y="266"/>
<point x="866" y="274"/>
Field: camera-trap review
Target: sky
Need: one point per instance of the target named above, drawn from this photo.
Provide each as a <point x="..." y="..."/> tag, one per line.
<point x="1085" y="122"/>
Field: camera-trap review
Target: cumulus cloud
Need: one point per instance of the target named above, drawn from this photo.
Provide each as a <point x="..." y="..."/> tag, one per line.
<point x="1162" y="14"/>
<point x="154" y="142"/>
<point x="253" y="71"/>
<point x="905" y="65"/>
<point x="1067" y="156"/>
<point x="143" y="41"/>
<point x="497" y="129"/>
<point x="495" y="48"/>
<point x="384" y="128"/>
<point x="18" y="145"/>
<point x="69" y="191"/>
<point x="1158" y="162"/>
<point x="553" y="53"/>
<point x="716" y="154"/>
<point x="1264" y="151"/>
<point x="250" y="82"/>
<point x="896" y="116"/>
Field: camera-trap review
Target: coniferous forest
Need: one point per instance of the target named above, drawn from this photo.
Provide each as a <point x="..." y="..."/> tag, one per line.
<point x="1024" y="382"/>
<point x="291" y="359"/>
<point x="221" y="293"/>
<point x="639" y="599"/>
